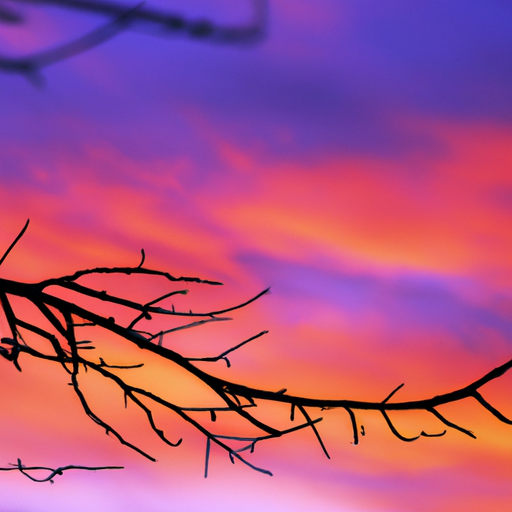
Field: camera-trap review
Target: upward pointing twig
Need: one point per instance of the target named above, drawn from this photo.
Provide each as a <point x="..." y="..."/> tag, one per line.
<point x="11" y="247"/>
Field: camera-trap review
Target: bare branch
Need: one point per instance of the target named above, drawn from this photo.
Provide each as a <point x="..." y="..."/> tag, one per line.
<point x="188" y="326"/>
<point x="120" y="18"/>
<point x="491" y="409"/>
<point x="225" y="353"/>
<point x="241" y="400"/>
<point x="11" y="247"/>
<point x="450" y="424"/>
<point x="317" y="434"/>
<point x="143" y="258"/>
<point x="25" y="470"/>
<point x="32" y="65"/>
<point x="64" y="280"/>
<point x="164" y="23"/>
<point x="354" y="425"/>
<point x="392" y="393"/>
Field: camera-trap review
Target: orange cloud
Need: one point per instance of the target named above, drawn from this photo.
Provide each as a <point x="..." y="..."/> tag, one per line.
<point x="439" y="213"/>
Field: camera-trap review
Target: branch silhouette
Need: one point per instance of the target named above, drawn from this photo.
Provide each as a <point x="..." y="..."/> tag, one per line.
<point x="66" y="348"/>
<point x="26" y="470"/>
<point x="121" y="18"/>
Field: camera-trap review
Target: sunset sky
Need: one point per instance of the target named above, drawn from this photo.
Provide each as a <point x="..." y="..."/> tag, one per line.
<point x="358" y="160"/>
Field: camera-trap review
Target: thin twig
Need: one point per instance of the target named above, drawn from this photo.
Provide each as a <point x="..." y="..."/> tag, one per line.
<point x="24" y="470"/>
<point x="11" y="247"/>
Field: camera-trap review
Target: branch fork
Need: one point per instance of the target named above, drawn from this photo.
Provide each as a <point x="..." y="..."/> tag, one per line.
<point x="74" y="354"/>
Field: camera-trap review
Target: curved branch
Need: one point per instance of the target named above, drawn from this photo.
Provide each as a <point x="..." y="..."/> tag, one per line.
<point x="238" y="398"/>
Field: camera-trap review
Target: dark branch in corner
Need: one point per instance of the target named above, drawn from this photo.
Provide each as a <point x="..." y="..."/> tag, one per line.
<point x="121" y="18"/>
<point x="65" y="348"/>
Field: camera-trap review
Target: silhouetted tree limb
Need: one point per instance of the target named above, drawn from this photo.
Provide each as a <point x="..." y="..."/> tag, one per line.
<point x="66" y="348"/>
<point x="26" y="470"/>
<point x="121" y="17"/>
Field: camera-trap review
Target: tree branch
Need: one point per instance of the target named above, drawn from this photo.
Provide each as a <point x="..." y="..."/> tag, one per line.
<point x="24" y="470"/>
<point x="71" y="353"/>
<point x="120" y="18"/>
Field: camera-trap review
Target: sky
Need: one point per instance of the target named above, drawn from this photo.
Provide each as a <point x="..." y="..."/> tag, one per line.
<point x="357" y="160"/>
